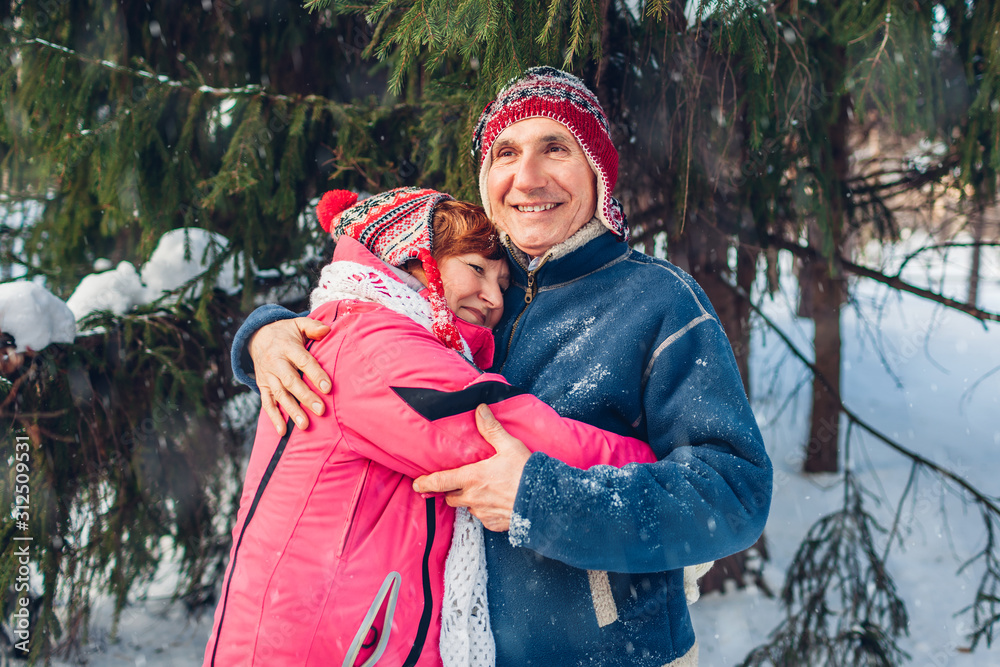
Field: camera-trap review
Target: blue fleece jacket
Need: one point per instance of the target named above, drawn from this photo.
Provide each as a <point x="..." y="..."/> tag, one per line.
<point x="591" y="569"/>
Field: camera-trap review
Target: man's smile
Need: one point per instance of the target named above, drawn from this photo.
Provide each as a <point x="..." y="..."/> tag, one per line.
<point x="534" y="208"/>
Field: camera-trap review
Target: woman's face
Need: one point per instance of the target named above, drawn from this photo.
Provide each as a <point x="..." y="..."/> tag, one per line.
<point x="474" y="287"/>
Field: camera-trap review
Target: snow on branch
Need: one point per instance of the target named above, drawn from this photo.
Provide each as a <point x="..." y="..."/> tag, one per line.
<point x="251" y="89"/>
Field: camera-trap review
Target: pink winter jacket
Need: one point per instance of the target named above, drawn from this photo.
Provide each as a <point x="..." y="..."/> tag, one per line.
<point x="332" y="548"/>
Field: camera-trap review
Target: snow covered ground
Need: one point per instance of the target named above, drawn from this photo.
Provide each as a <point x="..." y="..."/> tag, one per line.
<point x="918" y="373"/>
<point x="925" y="397"/>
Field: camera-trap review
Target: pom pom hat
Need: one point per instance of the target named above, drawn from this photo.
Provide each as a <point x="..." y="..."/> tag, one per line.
<point x="396" y="226"/>
<point x="333" y="204"/>
<point x="551" y="93"/>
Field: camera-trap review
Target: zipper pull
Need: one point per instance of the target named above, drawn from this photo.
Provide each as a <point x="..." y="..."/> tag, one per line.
<point x="529" y="293"/>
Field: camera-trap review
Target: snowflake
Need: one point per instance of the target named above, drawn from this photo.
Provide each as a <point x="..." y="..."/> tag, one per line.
<point x="518" y="531"/>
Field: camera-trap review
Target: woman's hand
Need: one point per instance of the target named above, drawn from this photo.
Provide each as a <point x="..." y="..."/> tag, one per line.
<point x="278" y="351"/>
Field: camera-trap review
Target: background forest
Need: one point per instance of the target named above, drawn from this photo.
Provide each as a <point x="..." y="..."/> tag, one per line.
<point x="159" y="162"/>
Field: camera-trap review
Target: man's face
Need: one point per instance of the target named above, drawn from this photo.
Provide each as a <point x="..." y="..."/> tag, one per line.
<point x="540" y="185"/>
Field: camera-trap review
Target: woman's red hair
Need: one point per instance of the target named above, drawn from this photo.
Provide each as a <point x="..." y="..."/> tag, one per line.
<point x="462" y="228"/>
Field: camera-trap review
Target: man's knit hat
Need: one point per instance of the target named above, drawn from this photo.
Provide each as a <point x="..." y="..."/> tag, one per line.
<point x="396" y="226"/>
<point x="551" y="93"/>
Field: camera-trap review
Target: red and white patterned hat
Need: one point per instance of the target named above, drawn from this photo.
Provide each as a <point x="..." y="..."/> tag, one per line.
<point x="551" y="93"/>
<point x="396" y="226"/>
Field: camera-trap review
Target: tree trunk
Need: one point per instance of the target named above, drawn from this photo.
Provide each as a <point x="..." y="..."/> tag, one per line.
<point x="746" y="273"/>
<point x="820" y="300"/>
<point x="831" y="121"/>
<point x="744" y="568"/>
<point x="978" y="225"/>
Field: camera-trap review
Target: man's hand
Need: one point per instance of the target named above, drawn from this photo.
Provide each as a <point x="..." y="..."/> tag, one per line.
<point x="488" y="488"/>
<point x="278" y="351"/>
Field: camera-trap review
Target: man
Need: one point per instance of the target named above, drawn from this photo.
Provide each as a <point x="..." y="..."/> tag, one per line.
<point x="589" y="570"/>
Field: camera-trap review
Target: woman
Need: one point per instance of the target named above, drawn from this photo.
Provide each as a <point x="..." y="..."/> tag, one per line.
<point x="335" y="559"/>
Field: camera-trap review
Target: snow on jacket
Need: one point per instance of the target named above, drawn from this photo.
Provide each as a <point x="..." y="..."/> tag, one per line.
<point x="591" y="571"/>
<point x="332" y="548"/>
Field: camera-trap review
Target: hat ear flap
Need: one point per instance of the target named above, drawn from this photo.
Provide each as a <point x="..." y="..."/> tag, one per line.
<point x="443" y="320"/>
<point x="615" y="219"/>
<point x="333" y="204"/>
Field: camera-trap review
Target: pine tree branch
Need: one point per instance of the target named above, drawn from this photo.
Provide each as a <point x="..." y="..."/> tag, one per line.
<point x="252" y="89"/>
<point x="980" y="497"/>
<point x="986" y="601"/>
<point x="908" y="181"/>
<point x="892" y="281"/>
<point x="878" y="54"/>
<point x="243" y="91"/>
<point x="944" y="246"/>
<point x="906" y="176"/>
<point x="33" y="415"/>
<point x="911" y="479"/>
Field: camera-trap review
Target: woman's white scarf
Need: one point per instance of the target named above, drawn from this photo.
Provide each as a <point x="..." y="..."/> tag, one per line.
<point x="466" y="638"/>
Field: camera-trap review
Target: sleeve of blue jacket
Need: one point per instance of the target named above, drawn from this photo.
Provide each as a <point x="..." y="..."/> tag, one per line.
<point x="707" y="496"/>
<point x="240" y="354"/>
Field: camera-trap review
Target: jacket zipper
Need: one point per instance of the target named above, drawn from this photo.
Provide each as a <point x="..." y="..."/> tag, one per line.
<point x="353" y="512"/>
<point x="529" y="293"/>
<point x="425" y="615"/>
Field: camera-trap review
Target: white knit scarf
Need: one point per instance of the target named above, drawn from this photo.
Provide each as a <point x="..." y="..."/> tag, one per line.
<point x="466" y="638"/>
<point x="342" y="280"/>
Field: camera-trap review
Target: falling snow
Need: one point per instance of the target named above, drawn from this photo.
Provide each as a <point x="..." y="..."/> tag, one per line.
<point x="920" y="343"/>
